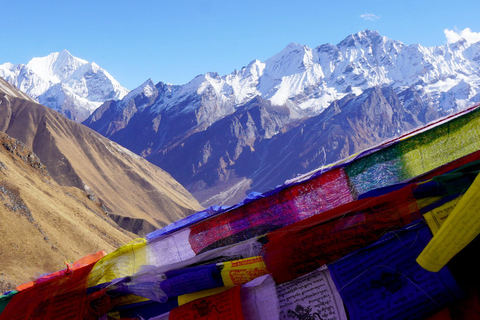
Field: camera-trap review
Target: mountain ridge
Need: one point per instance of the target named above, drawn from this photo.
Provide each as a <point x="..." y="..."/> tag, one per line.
<point x="307" y="80"/>
<point x="126" y="184"/>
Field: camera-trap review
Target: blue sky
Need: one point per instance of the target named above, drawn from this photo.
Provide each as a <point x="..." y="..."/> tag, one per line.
<point x="173" y="41"/>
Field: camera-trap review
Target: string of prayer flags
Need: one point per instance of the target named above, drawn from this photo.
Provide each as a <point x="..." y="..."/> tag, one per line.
<point x="149" y="273"/>
<point x="161" y="287"/>
<point x="179" y="282"/>
<point x="239" y="250"/>
<point x="450" y="178"/>
<point x="334" y="241"/>
<point x="241" y="224"/>
<point x="173" y="246"/>
<point x="307" y="245"/>
<point x="270" y="213"/>
<point x="383" y="281"/>
<point x="418" y="153"/>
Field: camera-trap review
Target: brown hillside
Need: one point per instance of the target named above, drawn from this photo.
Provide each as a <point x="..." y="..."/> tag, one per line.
<point x="43" y="224"/>
<point x="138" y="195"/>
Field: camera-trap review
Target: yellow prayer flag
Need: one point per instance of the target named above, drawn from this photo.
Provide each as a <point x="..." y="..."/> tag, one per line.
<point x="123" y="262"/>
<point x="458" y="230"/>
<point x="233" y="273"/>
<point x="437" y="216"/>
<point x="242" y="271"/>
<point x="441" y="144"/>
<point x="422" y="203"/>
<point x="186" y="298"/>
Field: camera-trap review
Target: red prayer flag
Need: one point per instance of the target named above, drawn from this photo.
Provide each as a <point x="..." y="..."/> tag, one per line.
<point x="225" y="305"/>
<point x="60" y="295"/>
<point x="307" y="245"/>
<point x="281" y="209"/>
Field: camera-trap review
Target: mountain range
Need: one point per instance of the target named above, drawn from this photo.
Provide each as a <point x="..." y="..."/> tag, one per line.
<point x="224" y="136"/>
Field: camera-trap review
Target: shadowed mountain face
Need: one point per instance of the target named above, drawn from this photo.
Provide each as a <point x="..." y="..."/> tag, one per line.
<point x="239" y="153"/>
<point x="219" y="163"/>
<point x="259" y="146"/>
<point x="347" y="126"/>
<point x="127" y="185"/>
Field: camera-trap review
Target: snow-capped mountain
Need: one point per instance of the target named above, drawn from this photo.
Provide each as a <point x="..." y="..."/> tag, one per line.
<point x="67" y="84"/>
<point x="313" y="78"/>
<point x="222" y="136"/>
<point x="307" y="80"/>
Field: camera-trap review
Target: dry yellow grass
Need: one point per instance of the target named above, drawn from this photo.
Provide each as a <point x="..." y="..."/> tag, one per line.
<point x="125" y="183"/>
<point x="43" y="224"/>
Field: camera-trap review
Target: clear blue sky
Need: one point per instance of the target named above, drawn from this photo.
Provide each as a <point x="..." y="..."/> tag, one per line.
<point x="173" y="41"/>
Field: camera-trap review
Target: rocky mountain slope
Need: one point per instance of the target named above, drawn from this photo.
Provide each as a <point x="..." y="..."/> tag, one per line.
<point x="44" y="224"/>
<point x="228" y="128"/>
<point x="136" y="194"/>
<point x="72" y="86"/>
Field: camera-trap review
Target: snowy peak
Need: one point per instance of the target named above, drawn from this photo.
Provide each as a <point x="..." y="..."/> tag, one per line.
<point x="147" y="88"/>
<point x="72" y="86"/>
<point x="294" y="59"/>
<point x="366" y="38"/>
<point x="57" y="66"/>
<point x="140" y="97"/>
<point x="254" y="69"/>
